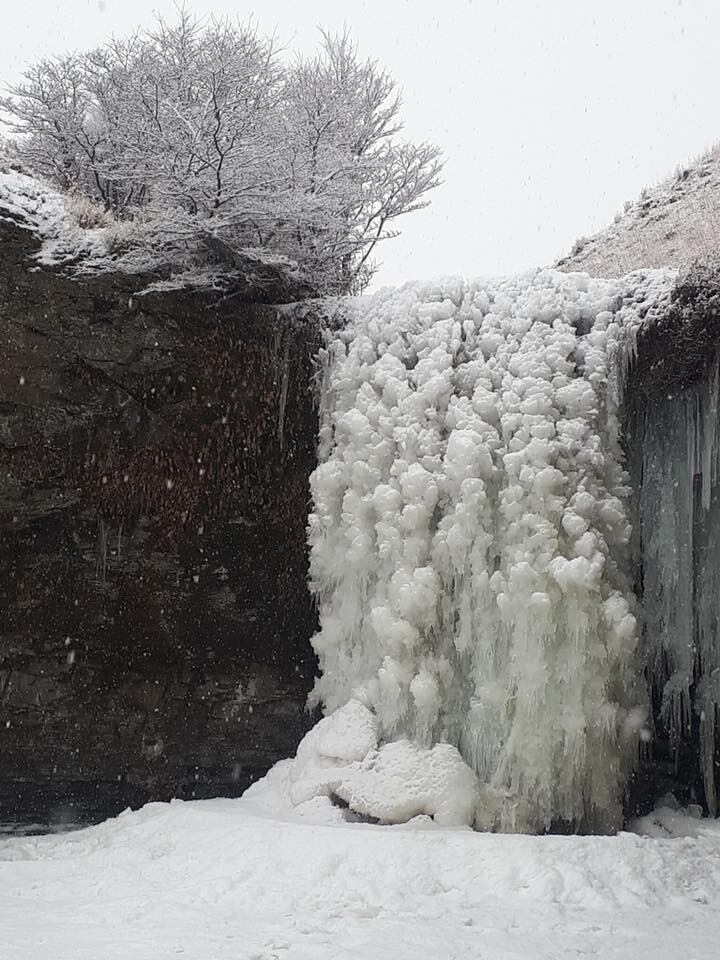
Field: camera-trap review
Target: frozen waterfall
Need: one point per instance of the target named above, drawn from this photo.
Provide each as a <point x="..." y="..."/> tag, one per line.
<point x="470" y="536"/>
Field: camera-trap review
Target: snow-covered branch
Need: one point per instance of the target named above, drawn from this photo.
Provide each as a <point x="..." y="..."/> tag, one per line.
<point x="205" y="123"/>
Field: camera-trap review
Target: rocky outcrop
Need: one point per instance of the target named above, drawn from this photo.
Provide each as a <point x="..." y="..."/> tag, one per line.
<point x="154" y="615"/>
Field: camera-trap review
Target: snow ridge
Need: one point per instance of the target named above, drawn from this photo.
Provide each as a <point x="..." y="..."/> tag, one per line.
<point x="470" y="536"/>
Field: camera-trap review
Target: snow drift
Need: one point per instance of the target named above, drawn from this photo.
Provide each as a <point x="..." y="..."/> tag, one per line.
<point x="223" y="879"/>
<point x="470" y="535"/>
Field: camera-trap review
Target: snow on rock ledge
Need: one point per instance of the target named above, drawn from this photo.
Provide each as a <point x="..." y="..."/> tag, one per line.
<point x="31" y="202"/>
<point x="77" y="236"/>
<point x="469" y="539"/>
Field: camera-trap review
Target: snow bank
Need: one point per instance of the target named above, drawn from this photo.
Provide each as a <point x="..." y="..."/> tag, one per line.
<point x="212" y="880"/>
<point x="469" y="537"/>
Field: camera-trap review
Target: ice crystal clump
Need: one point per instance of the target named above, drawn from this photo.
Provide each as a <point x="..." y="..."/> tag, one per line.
<point x="470" y="535"/>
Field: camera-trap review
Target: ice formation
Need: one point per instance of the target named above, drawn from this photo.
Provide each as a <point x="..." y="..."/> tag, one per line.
<point x="392" y="783"/>
<point x="676" y="447"/>
<point x="470" y="534"/>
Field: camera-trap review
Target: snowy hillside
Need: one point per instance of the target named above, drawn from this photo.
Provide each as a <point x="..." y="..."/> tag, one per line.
<point x="670" y="225"/>
<point x="221" y="880"/>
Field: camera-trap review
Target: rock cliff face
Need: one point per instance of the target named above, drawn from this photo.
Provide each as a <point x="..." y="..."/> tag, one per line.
<point x="154" y="615"/>
<point x="672" y="439"/>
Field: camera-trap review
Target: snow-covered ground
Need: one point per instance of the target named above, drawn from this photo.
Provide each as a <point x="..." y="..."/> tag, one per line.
<point x="235" y="879"/>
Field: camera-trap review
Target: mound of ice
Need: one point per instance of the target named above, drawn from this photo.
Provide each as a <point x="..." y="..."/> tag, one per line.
<point x="402" y="780"/>
<point x="334" y="743"/>
<point x="669" y="819"/>
<point x="340" y="759"/>
<point x="470" y="534"/>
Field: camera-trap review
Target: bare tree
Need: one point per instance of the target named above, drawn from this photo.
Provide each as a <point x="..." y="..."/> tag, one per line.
<point x="203" y="128"/>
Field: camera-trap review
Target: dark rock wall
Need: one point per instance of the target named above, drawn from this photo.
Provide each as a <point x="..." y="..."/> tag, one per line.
<point x="154" y="615"/>
<point x="671" y="379"/>
<point x="671" y="761"/>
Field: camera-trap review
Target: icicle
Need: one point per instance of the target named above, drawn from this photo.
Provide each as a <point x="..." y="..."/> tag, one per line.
<point x="709" y="434"/>
<point x="708" y="716"/>
<point x="102" y="549"/>
<point x="282" y="403"/>
<point x="707" y="602"/>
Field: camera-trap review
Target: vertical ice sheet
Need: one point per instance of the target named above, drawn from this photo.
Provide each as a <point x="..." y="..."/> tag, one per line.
<point x="679" y="528"/>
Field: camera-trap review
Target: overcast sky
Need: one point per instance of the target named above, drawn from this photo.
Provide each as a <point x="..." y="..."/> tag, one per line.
<point x="550" y="113"/>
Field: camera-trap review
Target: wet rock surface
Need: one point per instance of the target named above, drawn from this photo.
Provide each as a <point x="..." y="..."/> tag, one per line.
<point x="154" y="614"/>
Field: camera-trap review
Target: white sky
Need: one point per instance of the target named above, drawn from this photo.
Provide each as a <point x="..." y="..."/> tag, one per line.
<point x="551" y="113"/>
